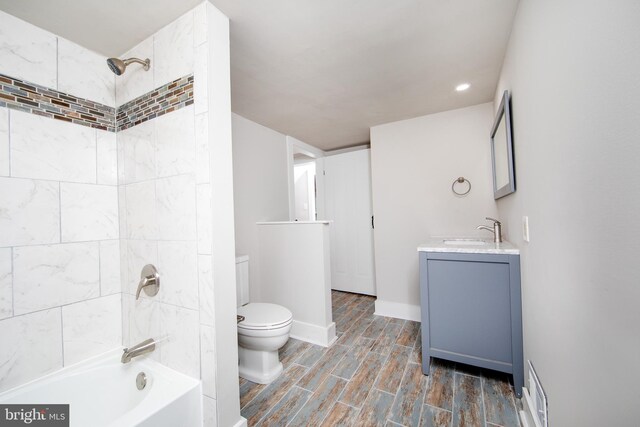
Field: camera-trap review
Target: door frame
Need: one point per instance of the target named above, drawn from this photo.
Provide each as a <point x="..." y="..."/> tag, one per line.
<point x="295" y="146"/>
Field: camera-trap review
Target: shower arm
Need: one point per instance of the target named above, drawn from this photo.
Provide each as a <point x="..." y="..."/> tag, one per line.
<point x="145" y="63"/>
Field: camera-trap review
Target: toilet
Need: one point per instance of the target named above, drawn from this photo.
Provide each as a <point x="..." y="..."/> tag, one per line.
<point x="264" y="330"/>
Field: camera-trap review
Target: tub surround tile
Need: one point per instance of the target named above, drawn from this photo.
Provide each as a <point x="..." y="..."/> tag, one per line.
<point x="376" y="408"/>
<point x="6" y="284"/>
<point x="144" y="321"/>
<point x="84" y="73"/>
<point x="200" y="90"/>
<point x="208" y="360"/>
<point x="91" y="327"/>
<point x="136" y="153"/>
<point x="340" y="415"/>
<point x="30" y="212"/>
<point x="202" y="149"/>
<point x="135" y="255"/>
<point x="209" y="412"/>
<point x="173" y="50"/>
<point x="468" y="409"/>
<point x="287" y="408"/>
<point x="178" y="264"/>
<point x="320" y="403"/>
<point x="436" y="417"/>
<point x="176" y="208"/>
<point x="110" y="278"/>
<point x="53" y="275"/>
<point x="181" y="349"/>
<point x="27" y="51"/>
<point x="35" y="350"/>
<point x="175" y="143"/>
<point x="136" y="81"/>
<point x="107" y="158"/>
<point x="139" y="210"/>
<point x="408" y="404"/>
<point x="205" y="283"/>
<point x="205" y="218"/>
<point x="5" y="167"/>
<point x="200" y="29"/>
<point x="69" y="153"/>
<point x="88" y="212"/>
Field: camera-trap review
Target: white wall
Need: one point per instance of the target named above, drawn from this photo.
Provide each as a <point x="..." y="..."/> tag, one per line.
<point x="59" y="256"/>
<point x="413" y="164"/>
<point x="260" y="186"/>
<point x="572" y="69"/>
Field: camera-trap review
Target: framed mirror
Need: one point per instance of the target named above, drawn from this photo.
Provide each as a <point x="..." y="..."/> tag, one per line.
<point x="504" y="179"/>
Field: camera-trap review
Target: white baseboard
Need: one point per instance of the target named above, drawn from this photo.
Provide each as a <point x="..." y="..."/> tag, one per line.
<point x="398" y="310"/>
<point x="526" y="415"/>
<point x="314" y="334"/>
<point x="241" y="423"/>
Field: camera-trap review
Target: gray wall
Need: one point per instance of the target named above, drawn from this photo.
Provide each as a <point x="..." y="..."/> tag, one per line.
<point x="572" y="68"/>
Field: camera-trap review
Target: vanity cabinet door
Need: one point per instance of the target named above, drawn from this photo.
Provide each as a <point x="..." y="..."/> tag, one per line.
<point x="469" y="308"/>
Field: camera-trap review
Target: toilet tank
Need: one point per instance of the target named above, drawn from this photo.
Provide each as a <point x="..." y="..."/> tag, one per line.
<point x="242" y="279"/>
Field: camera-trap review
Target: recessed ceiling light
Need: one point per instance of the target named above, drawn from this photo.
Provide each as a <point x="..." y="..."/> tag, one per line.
<point x="462" y="87"/>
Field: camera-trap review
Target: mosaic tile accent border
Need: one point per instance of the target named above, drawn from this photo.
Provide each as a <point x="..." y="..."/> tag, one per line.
<point x="165" y="99"/>
<point x="32" y="98"/>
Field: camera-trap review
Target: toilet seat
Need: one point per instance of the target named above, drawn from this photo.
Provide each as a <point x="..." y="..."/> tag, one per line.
<point x="264" y="316"/>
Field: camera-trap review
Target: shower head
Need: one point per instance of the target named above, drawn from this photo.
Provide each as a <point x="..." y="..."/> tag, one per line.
<point x="118" y="66"/>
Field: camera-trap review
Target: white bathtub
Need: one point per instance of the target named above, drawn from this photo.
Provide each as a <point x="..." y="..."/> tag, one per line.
<point x="101" y="391"/>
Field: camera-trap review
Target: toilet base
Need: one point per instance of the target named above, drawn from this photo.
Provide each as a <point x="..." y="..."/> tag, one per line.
<point x="259" y="366"/>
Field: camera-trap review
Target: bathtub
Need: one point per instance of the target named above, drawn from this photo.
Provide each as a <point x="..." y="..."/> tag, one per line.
<point x="101" y="391"/>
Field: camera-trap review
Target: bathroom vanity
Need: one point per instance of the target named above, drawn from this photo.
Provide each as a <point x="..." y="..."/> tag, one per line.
<point x="471" y="306"/>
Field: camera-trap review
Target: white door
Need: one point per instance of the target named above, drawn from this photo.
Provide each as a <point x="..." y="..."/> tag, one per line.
<point x="347" y="182"/>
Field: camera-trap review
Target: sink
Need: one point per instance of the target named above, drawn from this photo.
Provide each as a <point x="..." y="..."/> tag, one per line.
<point x="464" y="242"/>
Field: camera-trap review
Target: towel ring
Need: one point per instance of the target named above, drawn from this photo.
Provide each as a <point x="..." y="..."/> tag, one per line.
<point x="461" y="180"/>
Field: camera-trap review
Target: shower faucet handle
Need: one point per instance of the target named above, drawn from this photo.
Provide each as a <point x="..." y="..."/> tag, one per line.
<point x="149" y="281"/>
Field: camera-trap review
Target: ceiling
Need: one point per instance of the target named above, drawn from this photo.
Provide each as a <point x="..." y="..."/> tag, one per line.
<point x="323" y="71"/>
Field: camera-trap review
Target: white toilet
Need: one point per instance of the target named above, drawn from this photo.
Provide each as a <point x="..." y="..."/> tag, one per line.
<point x="264" y="330"/>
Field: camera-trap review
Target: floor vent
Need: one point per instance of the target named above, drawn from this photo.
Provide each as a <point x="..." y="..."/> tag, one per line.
<point x="536" y="399"/>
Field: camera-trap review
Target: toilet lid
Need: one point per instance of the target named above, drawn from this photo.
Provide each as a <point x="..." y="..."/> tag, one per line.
<point x="259" y="315"/>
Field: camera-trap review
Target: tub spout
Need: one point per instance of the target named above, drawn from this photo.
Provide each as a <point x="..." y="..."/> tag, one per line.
<point x="146" y="346"/>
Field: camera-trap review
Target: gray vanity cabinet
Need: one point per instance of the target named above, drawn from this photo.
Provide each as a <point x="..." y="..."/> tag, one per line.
<point x="471" y="311"/>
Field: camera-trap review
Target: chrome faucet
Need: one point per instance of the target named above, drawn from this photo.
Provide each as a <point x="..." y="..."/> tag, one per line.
<point x="146" y="346"/>
<point x="496" y="230"/>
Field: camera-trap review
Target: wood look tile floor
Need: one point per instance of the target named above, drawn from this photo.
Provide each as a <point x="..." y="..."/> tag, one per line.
<point x="372" y="377"/>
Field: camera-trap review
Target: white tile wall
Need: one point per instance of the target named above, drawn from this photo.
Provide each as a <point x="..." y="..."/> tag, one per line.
<point x="200" y="79"/>
<point x="173" y="50"/>
<point x="199" y="25"/>
<point x="209" y="409"/>
<point x="181" y="350"/>
<point x="88" y="212"/>
<point x="6" y="284"/>
<point x="203" y="194"/>
<point x="205" y="280"/>
<point x="140" y="211"/>
<point x="69" y="153"/>
<point x="175" y="143"/>
<point x="107" y="161"/>
<point x="208" y="360"/>
<point x="27" y="52"/>
<point x="135" y="255"/>
<point x="136" y="81"/>
<point x="30" y="212"/>
<point x="202" y="148"/>
<point x="179" y="273"/>
<point x="84" y="73"/>
<point x="110" y="282"/>
<point x="53" y="275"/>
<point x="4" y="142"/>
<point x="176" y="207"/>
<point x="35" y="350"/>
<point x="136" y="153"/>
<point x="91" y="327"/>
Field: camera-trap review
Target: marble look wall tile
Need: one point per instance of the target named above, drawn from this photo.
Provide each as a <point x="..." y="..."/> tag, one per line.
<point x="91" y="327"/>
<point x="5" y="167"/>
<point x="209" y="410"/>
<point x="140" y="212"/>
<point x="175" y="143"/>
<point x="110" y="267"/>
<point x="43" y="148"/>
<point x="27" y="52"/>
<point x="136" y="81"/>
<point x="176" y="208"/>
<point x="84" y="73"/>
<point x="173" y="50"/>
<point x="53" y="275"/>
<point x="200" y="26"/>
<point x="144" y="321"/>
<point x="88" y="212"/>
<point x="135" y="255"/>
<point x="136" y="153"/>
<point x="107" y="158"/>
<point x="202" y="149"/>
<point x="30" y="212"/>
<point x="178" y="262"/>
<point x="205" y="282"/>
<point x="200" y="79"/>
<point x="205" y="218"/>
<point x="122" y="211"/>
<point x="181" y="350"/>
<point x="35" y="350"/>
<point x="208" y="360"/>
<point x="6" y="284"/>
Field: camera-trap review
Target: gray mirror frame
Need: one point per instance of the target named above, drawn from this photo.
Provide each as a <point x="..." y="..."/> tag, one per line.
<point x="504" y="111"/>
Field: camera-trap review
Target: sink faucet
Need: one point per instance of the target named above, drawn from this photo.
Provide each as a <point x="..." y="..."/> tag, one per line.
<point x="496" y="230"/>
<point x="146" y="346"/>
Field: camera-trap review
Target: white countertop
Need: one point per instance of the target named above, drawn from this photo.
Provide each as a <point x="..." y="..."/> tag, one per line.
<point x="292" y="222"/>
<point x="436" y="244"/>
